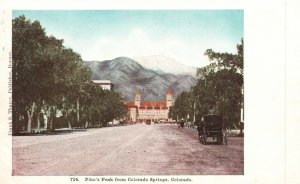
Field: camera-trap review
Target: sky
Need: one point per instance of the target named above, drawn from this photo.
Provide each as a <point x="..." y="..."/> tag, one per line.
<point x="183" y="35"/>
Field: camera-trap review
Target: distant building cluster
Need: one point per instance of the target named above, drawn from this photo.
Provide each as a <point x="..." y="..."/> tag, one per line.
<point x="104" y="84"/>
<point x="143" y="111"/>
<point x="149" y="111"/>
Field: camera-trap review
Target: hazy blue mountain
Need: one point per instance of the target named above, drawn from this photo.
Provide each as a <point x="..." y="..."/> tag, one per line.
<point x="128" y="76"/>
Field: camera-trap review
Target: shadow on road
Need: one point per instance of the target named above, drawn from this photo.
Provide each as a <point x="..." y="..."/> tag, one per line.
<point x="55" y="132"/>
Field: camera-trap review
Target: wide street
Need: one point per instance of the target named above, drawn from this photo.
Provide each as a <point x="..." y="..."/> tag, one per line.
<point x="159" y="149"/>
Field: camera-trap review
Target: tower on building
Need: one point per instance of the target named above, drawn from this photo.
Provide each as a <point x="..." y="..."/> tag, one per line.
<point x="137" y="98"/>
<point x="169" y="98"/>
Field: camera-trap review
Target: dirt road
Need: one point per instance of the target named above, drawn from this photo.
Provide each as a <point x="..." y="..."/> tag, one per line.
<point x="126" y="150"/>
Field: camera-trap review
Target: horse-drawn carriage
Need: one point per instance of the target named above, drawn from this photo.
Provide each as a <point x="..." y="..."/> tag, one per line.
<point x="212" y="126"/>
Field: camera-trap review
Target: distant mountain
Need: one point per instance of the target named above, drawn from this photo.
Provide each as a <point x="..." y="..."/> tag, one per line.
<point x="128" y="76"/>
<point x="164" y="64"/>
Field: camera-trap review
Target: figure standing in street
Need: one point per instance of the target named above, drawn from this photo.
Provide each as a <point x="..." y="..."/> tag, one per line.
<point x="182" y="124"/>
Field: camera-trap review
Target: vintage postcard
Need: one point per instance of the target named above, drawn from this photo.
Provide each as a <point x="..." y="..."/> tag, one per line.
<point x="136" y="95"/>
<point x="127" y="92"/>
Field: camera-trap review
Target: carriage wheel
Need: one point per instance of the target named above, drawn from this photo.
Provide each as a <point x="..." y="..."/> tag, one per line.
<point x="220" y="139"/>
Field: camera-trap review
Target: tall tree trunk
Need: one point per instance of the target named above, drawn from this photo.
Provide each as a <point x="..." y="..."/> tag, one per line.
<point x="68" y="116"/>
<point x="29" y="122"/>
<point x="77" y="110"/>
<point x="194" y="119"/>
<point x="70" y="126"/>
<point x="46" y="116"/>
<point x="38" y="123"/>
<point x="30" y="115"/>
<point x="51" y="117"/>
<point x="86" y="124"/>
<point x="51" y="124"/>
<point x="90" y="123"/>
<point x="48" y="121"/>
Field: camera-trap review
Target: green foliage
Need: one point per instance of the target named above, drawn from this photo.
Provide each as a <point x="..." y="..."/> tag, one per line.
<point x="223" y="81"/>
<point x="182" y="107"/>
<point x="49" y="78"/>
<point x="219" y="87"/>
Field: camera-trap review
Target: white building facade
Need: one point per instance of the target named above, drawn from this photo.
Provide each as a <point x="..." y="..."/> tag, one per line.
<point x="104" y="84"/>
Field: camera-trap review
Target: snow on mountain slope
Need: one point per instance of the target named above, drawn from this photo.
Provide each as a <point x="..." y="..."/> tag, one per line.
<point x="164" y="64"/>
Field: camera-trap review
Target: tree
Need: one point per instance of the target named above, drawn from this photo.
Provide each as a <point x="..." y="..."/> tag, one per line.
<point x="41" y="69"/>
<point x="218" y="88"/>
<point x="28" y="42"/>
<point x="49" y="78"/>
<point x="115" y="106"/>
<point x="220" y="85"/>
<point x="182" y="107"/>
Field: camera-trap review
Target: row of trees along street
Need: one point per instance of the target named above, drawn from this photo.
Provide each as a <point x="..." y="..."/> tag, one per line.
<point x="51" y="87"/>
<point x="219" y="87"/>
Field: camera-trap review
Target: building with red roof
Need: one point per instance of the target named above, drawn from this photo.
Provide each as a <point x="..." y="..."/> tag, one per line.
<point x="149" y="111"/>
